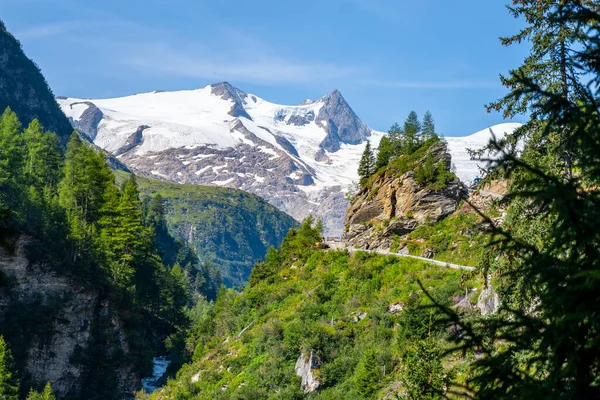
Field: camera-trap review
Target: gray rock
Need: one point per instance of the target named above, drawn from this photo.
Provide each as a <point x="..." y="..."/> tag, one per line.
<point x="341" y="123"/>
<point x="358" y="316"/>
<point x="301" y="120"/>
<point x="395" y="308"/>
<point x="238" y="97"/>
<point x="52" y="361"/>
<point x="488" y="301"/>
<point x="134" y="140"/>
<point x="393" y="206"/>
<point x="89" y="121"/>
<point x="305" y="367"/>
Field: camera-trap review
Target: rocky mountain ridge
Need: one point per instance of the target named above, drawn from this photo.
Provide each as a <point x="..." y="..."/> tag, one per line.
<point x="24" y="88"/>
<point x="393" y="203"/>
<point x="299" y="158"/>
<point x="302" y="159"/>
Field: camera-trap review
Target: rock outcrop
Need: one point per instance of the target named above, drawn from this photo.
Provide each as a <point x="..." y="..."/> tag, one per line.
<point x="488" y="301"/>
<point x="65" y="313"/>
<point x="392" y="205"/>
<point x="305" y="369"/>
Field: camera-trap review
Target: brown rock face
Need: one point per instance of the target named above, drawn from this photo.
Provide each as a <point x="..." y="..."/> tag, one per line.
<point x="396" y="205"/>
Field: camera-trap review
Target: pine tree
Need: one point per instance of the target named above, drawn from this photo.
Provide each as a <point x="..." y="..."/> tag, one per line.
<point x="411" y="137"/>
<point x="46" y="394"/>
<point x="385" y="151"/>
<point x="544" y="346"/>
<point x="42" y="168"/>
<point x="368" y="374"/>
<point x="9" y="385"/>
<point x="366" y="166"/>
<point x="11" y="160"/>
<point x="428" y="126"/>
<point x="43" y="160"/>
<point x="82" y="192"/>
<point x="555" y="42"/>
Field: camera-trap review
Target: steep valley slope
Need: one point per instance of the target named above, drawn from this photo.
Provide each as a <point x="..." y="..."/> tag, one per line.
<point x="227" y="227"/>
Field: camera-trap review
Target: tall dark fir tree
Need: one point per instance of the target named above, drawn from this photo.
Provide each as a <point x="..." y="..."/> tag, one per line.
<point x="366" y="166"/>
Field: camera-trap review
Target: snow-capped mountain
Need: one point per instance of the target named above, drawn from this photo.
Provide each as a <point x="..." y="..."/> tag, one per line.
<point x="299" y="158"/>
<point x="466" y="168"/>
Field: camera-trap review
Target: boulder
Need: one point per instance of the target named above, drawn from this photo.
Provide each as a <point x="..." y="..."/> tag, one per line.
<point x="488" y="301"/>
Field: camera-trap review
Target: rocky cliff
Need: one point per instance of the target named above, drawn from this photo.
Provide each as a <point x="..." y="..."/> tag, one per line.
<point x="394" y="202"/>
<point x="49" y="321"/>
<point x="24" y="88"/>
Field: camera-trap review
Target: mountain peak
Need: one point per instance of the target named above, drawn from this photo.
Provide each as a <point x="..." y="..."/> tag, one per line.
<point x="228" y="92"/>
<point x="334" y="95"/>
<point x="342" y="124"/>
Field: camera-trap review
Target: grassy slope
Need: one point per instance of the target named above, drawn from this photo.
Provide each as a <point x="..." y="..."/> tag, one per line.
<point x="228" y="227"/>
<point x="307" y="307"/>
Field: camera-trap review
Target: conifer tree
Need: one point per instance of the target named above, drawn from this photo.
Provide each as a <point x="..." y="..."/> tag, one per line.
<point x="428" y="126"/>
<point x="9" y="386"/>
<point x="42" y="168"/>
<point x="46" y="394"/>
<point x="544" y="346"/>
<point x="423" y="375"/>
<point x="555" y="43"/>
<point x="11" y="159"/>
<point x="82" y="191"/>
<point x="368" y="374"/>
<point x="366" y="166"/>
<point x="43" y="159"/>
<point x="385" y="151"/>
<point x="411" y="133"/>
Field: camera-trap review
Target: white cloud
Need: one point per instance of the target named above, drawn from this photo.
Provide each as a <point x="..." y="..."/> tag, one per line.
<point x="240" y="63"/>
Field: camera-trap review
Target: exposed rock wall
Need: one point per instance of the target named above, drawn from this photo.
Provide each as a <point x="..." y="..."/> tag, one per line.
<point x="76" y="309"/>
<point x="396" y="205"/>
<point x="305" y="369"/>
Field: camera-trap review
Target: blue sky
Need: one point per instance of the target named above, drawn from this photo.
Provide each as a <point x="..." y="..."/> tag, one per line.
<point x="387" y="57"/>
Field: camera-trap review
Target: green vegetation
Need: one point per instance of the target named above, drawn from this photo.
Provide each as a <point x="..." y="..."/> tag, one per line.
<point x="546" y="257"/>
<point x="225" y="227"/>
<point x="366" y="165"/>
<point x="430" y="169"/>
<point x="96" y="234"/>
<point x="410" y="148"/>
<point x="304" y="300"/>
<point x="45" y="394"/>
<point x="404" y="140"/>
<point x="9" y="384"/>
<point x="457" y="239"/>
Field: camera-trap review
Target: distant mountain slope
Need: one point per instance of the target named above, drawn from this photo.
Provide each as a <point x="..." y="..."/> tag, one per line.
<point x="24" y="89"/>
<point x="299" y="158"/>
<point x="228" y="227"/>
<point x="466" y="168"/>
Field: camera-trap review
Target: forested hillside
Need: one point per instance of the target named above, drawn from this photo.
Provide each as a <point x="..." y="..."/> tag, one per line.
<point x="81" y="275"/>
<point x="325" y="325"/>
<point x="228" y="229"/>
